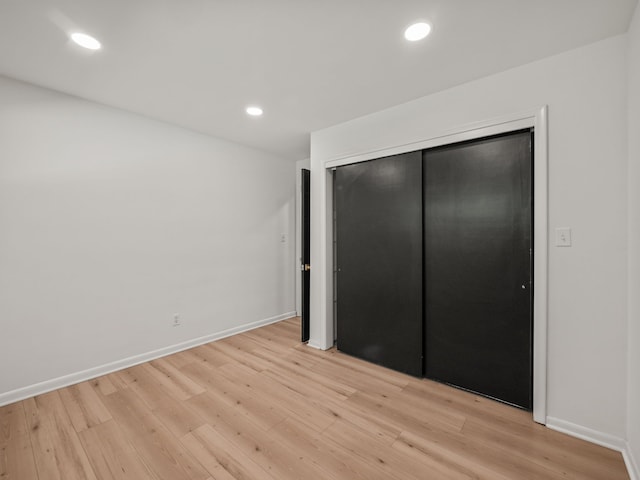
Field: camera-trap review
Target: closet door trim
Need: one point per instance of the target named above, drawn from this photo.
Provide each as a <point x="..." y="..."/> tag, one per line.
<point x="322" y="327"/>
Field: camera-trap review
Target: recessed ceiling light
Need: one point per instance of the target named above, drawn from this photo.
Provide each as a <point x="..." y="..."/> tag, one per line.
<point x="417" y="31"/>
<point x="86" y="41"/>
<point x="254" y="111"/>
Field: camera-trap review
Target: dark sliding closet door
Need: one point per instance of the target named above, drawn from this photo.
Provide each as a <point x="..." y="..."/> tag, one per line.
<point x="477" y="266"/>
<point x="379" y="261"/>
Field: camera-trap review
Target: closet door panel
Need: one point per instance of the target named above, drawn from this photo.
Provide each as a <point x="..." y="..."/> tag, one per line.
<point x="477" y="266"/>
<point x="378" y="206"/>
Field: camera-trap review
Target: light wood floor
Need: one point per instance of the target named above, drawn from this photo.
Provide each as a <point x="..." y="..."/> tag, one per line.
<point x="262" y="406"/>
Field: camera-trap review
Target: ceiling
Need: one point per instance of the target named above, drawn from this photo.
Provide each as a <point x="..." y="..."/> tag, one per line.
<point x="309" y="63"/>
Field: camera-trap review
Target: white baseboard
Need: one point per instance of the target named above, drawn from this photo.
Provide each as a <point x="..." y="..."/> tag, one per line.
<point x="599" y="438"/>
<point x="312" y="344"/>
<point x="630" y="462"/>
<point x="77" y="377"/>
<point x="588" y="434"/>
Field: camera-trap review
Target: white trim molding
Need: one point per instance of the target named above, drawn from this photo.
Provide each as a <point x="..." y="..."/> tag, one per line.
<point x="316" y="346"/>
<point x="588" y="434"/>
<point x="489" y="127"/>
<point x="631" y="463"/>
<point x="599" y="438"/>
<point x="77" y="377"/>
<point x="322" y="325"/>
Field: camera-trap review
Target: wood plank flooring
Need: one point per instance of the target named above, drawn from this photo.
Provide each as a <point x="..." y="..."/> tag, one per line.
<point x="260" y="405"/>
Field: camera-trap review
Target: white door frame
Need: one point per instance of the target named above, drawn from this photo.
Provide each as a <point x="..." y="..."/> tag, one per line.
<point x="321" y="314"/>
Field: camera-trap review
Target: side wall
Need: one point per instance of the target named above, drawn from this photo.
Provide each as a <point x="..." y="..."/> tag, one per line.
<point x="585" y="90"/>
<point x="113" y="223"/>
<point x="633" y="414"/>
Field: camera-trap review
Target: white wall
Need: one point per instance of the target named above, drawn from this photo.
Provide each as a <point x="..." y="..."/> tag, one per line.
<point x="633" y="420"/>
<point x="110" y="223"/>
<point x="300" y="164"/>
<point x="586" y="93"/>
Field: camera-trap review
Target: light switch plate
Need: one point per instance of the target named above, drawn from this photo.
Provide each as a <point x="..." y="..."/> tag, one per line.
<point x="563" y="237"/>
